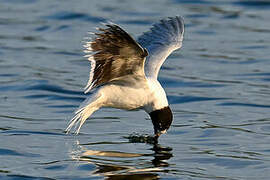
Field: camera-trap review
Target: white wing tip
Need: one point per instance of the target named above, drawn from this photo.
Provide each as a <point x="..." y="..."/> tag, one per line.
<point x="89" y="55"/>
<point x="90" y="83"/>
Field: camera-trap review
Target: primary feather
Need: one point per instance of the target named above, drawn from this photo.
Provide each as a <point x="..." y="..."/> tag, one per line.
<point x="162" y="39"/>
<point x="113" y="54"/>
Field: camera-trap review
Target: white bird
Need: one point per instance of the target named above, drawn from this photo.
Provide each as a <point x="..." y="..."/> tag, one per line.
<point x="124" y="72"/>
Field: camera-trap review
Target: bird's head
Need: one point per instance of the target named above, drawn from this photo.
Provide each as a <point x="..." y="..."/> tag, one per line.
<point x="162" y="120"/>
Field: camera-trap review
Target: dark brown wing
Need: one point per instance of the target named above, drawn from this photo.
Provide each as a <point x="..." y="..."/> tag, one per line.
<point x="115" y="54"/>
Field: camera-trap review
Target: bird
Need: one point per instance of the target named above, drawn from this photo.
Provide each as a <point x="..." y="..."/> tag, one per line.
<point x="124" y="72"/>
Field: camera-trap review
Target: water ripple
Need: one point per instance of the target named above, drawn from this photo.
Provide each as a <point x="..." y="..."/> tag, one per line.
<point x="188" y="99"/>
<point x="193" y="1"/>
<point x="8" y="152"/>
<point x="254" y="4"/>
<point x="20" y="1"/>
<point x="229" y="163"/>
<point x="170" y="82"/>
<point x="54" y="98"/>
<point x="23" y="177"/>
<point x="45" y="86"/>
<point x="137" y="22"/>
<point x="65" y="15"/>
<point x="244" y="105"/>
<point x="25" y="132"/>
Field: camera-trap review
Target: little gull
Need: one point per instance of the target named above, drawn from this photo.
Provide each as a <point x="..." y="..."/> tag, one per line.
<point x="124" y="72"/>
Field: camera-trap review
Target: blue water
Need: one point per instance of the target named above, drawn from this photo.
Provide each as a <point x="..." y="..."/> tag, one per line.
<point x="218" y="86"/>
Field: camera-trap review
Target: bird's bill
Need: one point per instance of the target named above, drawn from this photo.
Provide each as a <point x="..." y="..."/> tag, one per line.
<point x="158" y="133"/>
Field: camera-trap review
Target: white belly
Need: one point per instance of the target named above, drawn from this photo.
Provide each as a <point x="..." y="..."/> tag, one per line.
<point x="148" y="95"/>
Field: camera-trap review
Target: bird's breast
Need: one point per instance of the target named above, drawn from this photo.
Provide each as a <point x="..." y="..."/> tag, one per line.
<point x="157" y="98"/>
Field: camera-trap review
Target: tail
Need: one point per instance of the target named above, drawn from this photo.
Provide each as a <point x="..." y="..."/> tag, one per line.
<point x="87" y="108"/>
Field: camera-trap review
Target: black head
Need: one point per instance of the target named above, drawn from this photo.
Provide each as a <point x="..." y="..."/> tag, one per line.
<point x="161" y="119"/>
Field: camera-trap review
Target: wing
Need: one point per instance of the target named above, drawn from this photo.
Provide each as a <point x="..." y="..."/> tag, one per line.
<point x="113" y="54"/>
<point x="162" y="39"/>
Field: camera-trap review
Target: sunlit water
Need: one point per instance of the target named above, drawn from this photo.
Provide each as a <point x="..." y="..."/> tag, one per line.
<point x="218" y="86"/>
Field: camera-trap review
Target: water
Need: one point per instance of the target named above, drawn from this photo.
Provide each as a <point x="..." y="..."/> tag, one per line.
<point x="218" y="86"/>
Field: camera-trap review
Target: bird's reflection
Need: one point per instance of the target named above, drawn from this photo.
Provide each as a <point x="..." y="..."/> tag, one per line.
<point x="161" y="154"/>
<point x="124" y="165"/>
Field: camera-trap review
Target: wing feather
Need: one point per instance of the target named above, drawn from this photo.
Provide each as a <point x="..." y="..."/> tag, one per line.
<point x="113" y="54"/>
<point x="162" y="39"/>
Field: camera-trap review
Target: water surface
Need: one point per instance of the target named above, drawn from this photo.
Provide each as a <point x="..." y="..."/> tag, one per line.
<point x="218" y="86"/>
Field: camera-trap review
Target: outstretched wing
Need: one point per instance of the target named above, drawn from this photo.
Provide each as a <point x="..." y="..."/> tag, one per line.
<point x="113" y="54"/>
<point x="162" y="39"/>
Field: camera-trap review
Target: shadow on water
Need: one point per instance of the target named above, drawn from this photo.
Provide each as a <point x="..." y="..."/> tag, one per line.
<point x="124" y="165"/>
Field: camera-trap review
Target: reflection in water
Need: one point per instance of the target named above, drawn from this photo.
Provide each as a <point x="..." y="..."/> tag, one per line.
<point x="124" y="165"/>
<point x="161" y="154"/>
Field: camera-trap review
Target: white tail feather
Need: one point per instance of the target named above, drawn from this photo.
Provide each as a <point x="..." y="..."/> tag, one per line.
<point x="88" y="107"/>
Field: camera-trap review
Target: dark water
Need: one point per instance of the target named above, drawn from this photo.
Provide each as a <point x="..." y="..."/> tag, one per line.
<point x="218" y="85"/>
